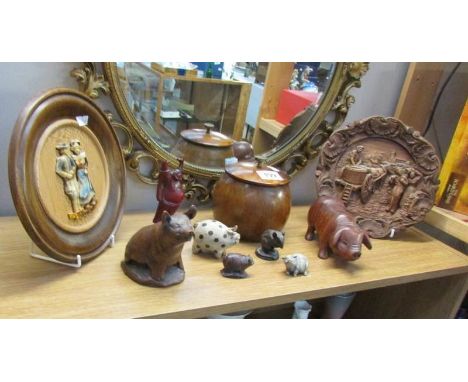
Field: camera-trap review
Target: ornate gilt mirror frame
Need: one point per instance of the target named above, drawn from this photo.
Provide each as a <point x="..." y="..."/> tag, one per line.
<point x="314" y="127"/>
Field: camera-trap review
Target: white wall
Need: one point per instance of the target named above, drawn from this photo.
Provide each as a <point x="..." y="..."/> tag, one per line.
<point x="23" y="81"/>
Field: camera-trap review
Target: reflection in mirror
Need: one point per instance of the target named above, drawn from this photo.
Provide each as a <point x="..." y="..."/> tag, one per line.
<point x="198" y="110"/>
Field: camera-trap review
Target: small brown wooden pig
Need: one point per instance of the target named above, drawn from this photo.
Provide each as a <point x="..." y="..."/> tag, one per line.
<point x="235" y="265"/>
<point x="336" y="229"/>
<point x="153" y="254"/>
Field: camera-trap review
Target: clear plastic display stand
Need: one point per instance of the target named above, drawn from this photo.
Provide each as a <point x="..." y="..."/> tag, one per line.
<point x="37" y="253"/>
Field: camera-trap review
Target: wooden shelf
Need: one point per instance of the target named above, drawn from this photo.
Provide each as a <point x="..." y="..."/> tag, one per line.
<point x="271" y="126"/>
<point x="277" y="78"/>
<point x="195" y="78"/>
<point x="223" y="98"/>
<point x="453" y="223"/>
<point x="31" y="288"/>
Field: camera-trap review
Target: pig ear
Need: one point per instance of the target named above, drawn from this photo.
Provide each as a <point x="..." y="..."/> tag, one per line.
<point x="191" y="212"/>
<point x="336" y="237"/>
<point x="234" y="229"/>
<point x="166" y="218"/>
<point x="366" y="240"/>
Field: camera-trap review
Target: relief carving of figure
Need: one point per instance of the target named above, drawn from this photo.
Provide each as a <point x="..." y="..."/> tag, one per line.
<point x="87" y="193"/>
<point x="401" y="180"/>
<point x="65" y="167"/>
<point x="375" y="174"/>
<point x="355" y="155"/>
<point x="72" y="167"/>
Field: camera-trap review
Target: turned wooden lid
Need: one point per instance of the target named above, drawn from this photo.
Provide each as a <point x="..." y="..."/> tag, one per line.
<point x="258" y="174"/>
<point x="207" y="137"/>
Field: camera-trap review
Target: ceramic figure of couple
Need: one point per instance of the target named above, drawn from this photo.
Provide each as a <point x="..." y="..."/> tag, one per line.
<point x="72" y="166"/>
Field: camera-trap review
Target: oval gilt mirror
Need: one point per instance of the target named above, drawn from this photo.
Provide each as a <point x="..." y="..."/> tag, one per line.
<point x="196" y="111"/>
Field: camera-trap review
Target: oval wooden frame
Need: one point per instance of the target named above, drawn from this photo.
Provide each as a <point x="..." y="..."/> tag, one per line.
<point x="56" y="242"/>
<point x="302" y="147"/>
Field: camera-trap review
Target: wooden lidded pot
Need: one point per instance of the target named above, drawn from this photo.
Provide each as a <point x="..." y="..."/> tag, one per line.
<point x="252" y="196"/>
<point x="204" y="147"/>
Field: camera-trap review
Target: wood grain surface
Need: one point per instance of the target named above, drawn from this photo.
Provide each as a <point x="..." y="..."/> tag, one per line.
<point x="31" y="288"/>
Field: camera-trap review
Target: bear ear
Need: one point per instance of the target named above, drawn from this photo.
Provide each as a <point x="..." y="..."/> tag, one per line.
<point x="166" y="218"/>
<point x="191" y="212"/>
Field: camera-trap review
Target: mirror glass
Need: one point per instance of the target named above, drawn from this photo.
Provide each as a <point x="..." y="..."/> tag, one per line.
<point x="196" y="110"/>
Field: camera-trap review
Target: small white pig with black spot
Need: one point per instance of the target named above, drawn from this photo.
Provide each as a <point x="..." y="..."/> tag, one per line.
<point x="296" y="264"/>
<point x="212" y="237"/>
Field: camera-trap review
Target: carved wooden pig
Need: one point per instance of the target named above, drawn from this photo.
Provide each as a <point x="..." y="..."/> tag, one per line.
<point x="336" y="229"/>
<point x="235" y="265"/>
<point x="153" y="254"/>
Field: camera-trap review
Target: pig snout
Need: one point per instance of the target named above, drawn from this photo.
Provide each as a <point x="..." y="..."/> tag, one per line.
<point x="355" y="252"/>
<point x="186" y="236"/>
<point x="235" y="238"/>
<point x="356" y="255"/>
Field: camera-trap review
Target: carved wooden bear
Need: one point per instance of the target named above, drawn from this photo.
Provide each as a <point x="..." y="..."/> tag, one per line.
<point x="336" y="229"/>
<point x="153" y="254"/>
<point x="270" y="240"/>
<point x="235" y="265"/>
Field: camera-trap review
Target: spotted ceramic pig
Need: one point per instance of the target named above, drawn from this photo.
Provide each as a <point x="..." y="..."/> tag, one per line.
<point x="296" y="264"/>
<point x="212" y="237"/>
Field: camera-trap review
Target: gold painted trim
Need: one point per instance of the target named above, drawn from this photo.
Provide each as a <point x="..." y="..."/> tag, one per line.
<point x="91" y="82"/>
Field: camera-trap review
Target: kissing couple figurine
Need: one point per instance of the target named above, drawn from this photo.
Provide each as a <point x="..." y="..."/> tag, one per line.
<point x="72" y="166"/>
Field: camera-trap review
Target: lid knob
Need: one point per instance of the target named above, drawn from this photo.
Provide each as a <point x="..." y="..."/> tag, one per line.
<point x="208" y="126"/>
<point x="260" y="162"/>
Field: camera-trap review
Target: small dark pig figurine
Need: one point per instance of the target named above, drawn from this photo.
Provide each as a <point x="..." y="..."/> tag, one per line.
<point x="235" y="265"/>
<point x="270" y="240"/>
<point x="336" y="229"/>
<point x="153" y="254"/>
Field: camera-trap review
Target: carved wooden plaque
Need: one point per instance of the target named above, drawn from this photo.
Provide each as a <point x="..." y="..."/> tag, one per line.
<point x="385" y="172"/>
<point x="74" y="203"/>
<point x="67" y="175"/>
